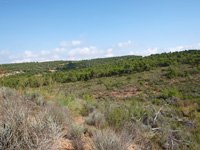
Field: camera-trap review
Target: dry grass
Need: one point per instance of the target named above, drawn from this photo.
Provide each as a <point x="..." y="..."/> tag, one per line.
<point x="25" y="125"/>
<point x="107" y="139"/>
<point x="76" y="133"/>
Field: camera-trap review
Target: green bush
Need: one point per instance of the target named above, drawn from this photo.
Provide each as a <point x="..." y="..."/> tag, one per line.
<point x="116" y="116"/>
<point x="100" y="81"/>
<point x="88" y="106"/>
<point x="65" y="101"/>
<point x="170" y="93"/>
<point x="173" y="92"/>
<point x="171" y="72"/>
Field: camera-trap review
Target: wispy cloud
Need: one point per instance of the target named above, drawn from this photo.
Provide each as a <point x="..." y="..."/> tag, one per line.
<point x="85" y="52"/>
<point x="184" y="47"/>
<point x="146" y="52"/>
<point x="109" y="52"/>
<point x="128" y="44"/>
<point x="156" y="50"/>
<point x="77" y="50"/>
<point x="70" y="43"/>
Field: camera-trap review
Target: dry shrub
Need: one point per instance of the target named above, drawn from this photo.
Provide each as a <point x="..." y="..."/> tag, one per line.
<point x="76" y="133"/>
<point x="96" y="119"/>
<point x="25" y="125"/>
<point x="148" y="138"/>
<point x="107" y="139"/>
<point x="140" y="133"/>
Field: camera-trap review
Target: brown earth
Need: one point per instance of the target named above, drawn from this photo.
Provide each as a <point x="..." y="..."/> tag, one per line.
<point x="122" y="93"/>
<point x="66" y="144"/>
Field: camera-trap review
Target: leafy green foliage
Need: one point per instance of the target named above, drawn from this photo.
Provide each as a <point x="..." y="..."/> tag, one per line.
<point x="171" y="72"/>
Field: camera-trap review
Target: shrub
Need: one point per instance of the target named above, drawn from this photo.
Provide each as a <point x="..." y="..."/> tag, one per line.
<point x="59" y="115"/>
<point x="66" y="100"/>
<point x="35" y="97"/>
<point x="88" y="106"/>
<point x="140" y="134"/>
<point x="169" y="94"/>
<point x="100" y="81"/>
<point x="25" y="125"/>
<point x="128" y="78"/>
<point x="173" y="92"/>
<point x="96" y="119"/>
<point x="109" y="140"/>
<point x="76" y="133"/>
<point x="116" y="115"/>
<point x="171" y="72"/>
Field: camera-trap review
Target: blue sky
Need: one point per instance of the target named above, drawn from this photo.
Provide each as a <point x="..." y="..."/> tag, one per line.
<point x="43" y="30"/>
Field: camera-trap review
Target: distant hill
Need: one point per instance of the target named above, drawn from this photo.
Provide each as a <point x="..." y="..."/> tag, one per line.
<point x="52" y="66"/>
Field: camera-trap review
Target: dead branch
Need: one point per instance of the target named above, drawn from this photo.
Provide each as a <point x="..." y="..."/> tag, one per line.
<point x="154" y="120"/>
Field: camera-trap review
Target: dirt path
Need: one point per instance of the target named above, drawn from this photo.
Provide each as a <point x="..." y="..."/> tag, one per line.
<point x="79" y="120"/>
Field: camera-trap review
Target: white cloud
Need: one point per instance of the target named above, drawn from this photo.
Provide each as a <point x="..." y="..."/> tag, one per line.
<point x="85" y="52"/>
<point x="60" y="50"/>
<point x="70" y="43"/>
<point x="43" y="52"/>
<point x="74" y="50"/>
<point x="156" y="50"/>
<point x="109" y="55"/>
<point x="109" y="52"/>
<point x="29" y="54"/>
<point x="186" y="47"/>
<point x="128" y="44"/>
<point x="76" y="43"/>
<point x="146" y="52"/>
<point x="131" y="53"/>
<point x="124" y="44"/>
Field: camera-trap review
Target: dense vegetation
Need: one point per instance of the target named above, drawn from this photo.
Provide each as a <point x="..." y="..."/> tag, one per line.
<point x="95" y="62"/>
<point x="148" y="102"/>
<point x="33" y="67"/>
<point x="136" y="64"/>
<point x="43" y="67"/>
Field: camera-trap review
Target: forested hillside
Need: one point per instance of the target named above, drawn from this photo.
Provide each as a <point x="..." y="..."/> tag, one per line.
<point x="51" y="66"/>
<point x="114" y="66"/>
<point x="96" y="62"/>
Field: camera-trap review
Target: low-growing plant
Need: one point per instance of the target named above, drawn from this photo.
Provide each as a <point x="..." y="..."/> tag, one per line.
<point x="88" y="105"/>
<point x="76" y="133"/>
<point x="107" y="139"/>
<point x="100" y="81"/>
<point x="169" y="94"/>
<point x="96" y="119"/>
<point x="65" y="101"/>
<point x="24" y="125"/>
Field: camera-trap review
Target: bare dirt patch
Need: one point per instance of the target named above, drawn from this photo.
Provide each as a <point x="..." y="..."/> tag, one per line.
<point x="66" y="144"/>
<point x="128" y="91"/>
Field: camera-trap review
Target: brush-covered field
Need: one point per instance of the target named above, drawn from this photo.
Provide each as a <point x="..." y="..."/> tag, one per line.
<point x="124" y="103"/>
